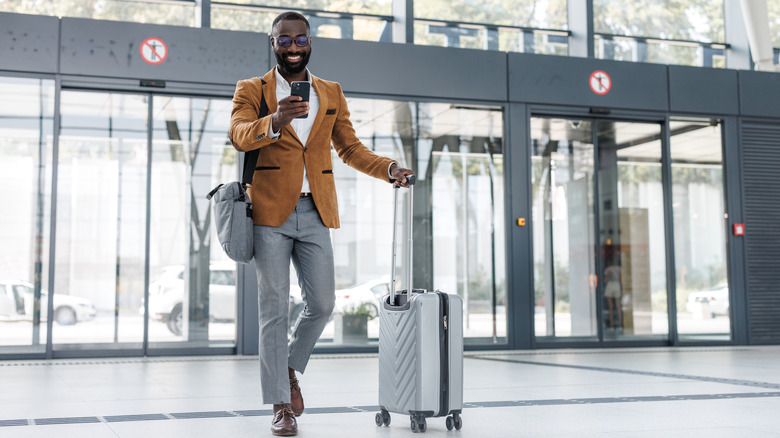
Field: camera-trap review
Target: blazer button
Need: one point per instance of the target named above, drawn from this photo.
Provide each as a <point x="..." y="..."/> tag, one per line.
<point x="260" y="137"/>
<point x="305" y="149"/>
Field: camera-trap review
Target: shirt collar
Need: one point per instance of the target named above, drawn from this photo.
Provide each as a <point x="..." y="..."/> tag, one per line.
<point x="282" y="82"/>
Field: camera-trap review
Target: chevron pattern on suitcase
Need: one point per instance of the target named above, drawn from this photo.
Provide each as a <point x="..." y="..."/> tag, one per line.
<point x="397" y="360"/>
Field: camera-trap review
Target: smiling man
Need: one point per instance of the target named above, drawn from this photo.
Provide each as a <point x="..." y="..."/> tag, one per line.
<point x="294" y="203"/>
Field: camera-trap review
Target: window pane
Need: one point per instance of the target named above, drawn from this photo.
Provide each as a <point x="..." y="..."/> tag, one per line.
<point x="695" y="20"/>
<point x="563" y="225"/>
<point x="378" y="7"/>
<point x="26" y="124"/>
<point x="632" y="235"/>
<point x="619" y="49"/>
<point x="101" y="219"/>
<point x="457" y="153"/>
<point x="774" y="24"/>
<point x="170" y="13"/>
<point x="698" y="203"/>
<point x="192" y="291"/>
<point x="549" y="14"/>
<point x="357" y="28"/>
<point x="505" y="40"/>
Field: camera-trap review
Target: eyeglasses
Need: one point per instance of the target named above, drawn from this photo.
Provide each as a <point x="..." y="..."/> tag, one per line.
<point x="300" y="41"/>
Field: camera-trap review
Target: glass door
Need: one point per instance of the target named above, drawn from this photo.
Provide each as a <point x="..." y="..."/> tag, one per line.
<point x="632" y="236"/>
<point x="101" y="221"/>
<point x="599" y="246"/>
<point x="124" y="222"/>
<point x="26" y="127"/>
<point x="562" y="171"/>
<point x="192" y="291"/>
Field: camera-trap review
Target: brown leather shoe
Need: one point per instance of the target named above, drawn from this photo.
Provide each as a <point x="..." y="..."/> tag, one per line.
<point x="284" y="423"/>
<point x="296" y="398"/>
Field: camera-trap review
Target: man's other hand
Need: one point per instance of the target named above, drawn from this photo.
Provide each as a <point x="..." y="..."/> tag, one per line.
<point x="289" y="108"/>
<point x="399" y="174"/>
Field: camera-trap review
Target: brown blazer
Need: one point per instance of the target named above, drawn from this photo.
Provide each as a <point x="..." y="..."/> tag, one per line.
<point x="276" y="183"/>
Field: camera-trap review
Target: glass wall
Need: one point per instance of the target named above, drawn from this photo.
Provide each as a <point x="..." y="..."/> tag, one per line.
<point x="26" y="126"/>
<point x="457" y="153"/>
<point x="508" y="26"/>
<point x="652" y="29"/>
<point x="261" y="20"/>
<point x="549" y="14"/>
<point x="700" y="227"/>
<point x="169" y="12"/>
<point x="379" y="7"/>
<point x="192" y="291"/>
<point x="692" y="20"/>
<point x="774" y="26"/>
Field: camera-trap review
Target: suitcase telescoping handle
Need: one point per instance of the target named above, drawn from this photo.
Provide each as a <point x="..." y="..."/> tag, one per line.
<point x="410" y="179"/>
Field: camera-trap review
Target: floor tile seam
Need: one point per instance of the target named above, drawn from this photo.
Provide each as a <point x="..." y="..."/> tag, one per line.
<point x="145" y="360"/>
<point x="646" y="350"/>
<point x="738" y="382"/>
<point x="238" y="413"/>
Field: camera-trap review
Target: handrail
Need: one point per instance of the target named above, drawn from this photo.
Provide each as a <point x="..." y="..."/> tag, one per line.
<point x="655" y="40"/>
<point x="473" y="25"/>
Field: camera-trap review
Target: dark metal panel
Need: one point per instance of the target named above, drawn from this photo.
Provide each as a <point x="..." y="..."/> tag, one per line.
<point x="759" y="94"/>
<point x="566" y="81"/>
<point x="703" y="90"/>
<point x="732" y="167"/>
<point x="408" y="70"/>
<point x="761" y="159"/>
<point x="28" y="43"/>
<point x="113" y="49"/>
<point x="519" y="250"/>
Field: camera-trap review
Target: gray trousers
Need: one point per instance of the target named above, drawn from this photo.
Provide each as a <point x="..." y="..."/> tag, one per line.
<point x="305" y="240"/>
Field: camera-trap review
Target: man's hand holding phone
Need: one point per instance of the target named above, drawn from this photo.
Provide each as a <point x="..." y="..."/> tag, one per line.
<point x="294" y="106"/>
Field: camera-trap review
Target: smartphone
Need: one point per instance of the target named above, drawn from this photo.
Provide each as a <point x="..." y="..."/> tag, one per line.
<point x="300" y="88"/>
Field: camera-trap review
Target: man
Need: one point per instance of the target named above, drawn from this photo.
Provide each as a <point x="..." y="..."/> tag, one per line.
<point x="293" y="195"/>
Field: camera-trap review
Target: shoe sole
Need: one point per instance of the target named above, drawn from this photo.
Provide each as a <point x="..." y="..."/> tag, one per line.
<point x="285" y="434"/>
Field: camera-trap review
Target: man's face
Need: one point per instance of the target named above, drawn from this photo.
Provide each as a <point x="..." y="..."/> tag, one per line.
<point x="293" y="58"/>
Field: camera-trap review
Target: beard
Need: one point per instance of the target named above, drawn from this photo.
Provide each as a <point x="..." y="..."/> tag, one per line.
<point x="286" y="67"/>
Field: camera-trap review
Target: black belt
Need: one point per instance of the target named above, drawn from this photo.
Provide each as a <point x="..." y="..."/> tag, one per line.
<point x="306" y="195"/>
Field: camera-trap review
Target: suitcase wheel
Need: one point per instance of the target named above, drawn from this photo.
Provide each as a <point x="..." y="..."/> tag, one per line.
<point x="382" y="418"/>
<point x="455" y="421"/>
<point x="418" y="425"/>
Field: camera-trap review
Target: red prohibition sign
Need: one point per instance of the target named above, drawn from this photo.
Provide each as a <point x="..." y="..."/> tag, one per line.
<point x="153" y="50"/>
<point x="600" y="82"/>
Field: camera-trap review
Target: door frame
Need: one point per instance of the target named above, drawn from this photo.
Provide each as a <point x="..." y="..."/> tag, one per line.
<point x="90" y="350"/>
<point x="595" y="115"/>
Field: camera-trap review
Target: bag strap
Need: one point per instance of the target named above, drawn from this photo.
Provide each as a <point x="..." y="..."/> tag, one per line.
<point x="250" y="158"/>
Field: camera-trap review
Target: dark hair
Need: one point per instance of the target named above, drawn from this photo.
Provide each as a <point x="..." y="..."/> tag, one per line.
<point x="290" y="15"/>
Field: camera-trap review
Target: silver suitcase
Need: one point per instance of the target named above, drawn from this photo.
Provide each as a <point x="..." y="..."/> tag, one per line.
<point x="420" y="350"/>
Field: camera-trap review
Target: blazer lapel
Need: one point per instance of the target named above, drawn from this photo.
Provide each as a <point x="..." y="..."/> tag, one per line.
<point x="322" y="95"/>
<point x="269" y="90"/>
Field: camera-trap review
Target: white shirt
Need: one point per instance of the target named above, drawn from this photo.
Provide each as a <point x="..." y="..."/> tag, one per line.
<point x="302" y="127"/>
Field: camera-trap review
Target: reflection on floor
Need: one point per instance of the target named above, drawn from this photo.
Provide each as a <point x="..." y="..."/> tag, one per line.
<point x="685" y="392"/>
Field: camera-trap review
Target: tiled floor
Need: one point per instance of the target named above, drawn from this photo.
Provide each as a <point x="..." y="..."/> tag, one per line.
<point x="683" y="392"/>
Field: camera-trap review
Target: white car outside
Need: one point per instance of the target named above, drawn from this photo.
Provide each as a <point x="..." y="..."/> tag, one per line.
<point x="17" y="298"/>
<point x="166" y="296"/>
<point x="716" y="299"/>
<point x="369" y="293"/>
